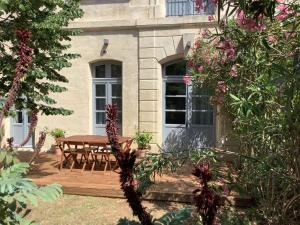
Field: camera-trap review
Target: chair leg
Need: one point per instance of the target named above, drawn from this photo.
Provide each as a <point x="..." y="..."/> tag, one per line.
<point x="81" y="159"/>
<point x="94" y="161"/>
<point x="72" y="165"/>
<point x="109" y="163"/>
<point x="101" y="160"/>
<point x="61" y="161"/>
<point x="93" y="166"/>
<point x="86" y="160"/>
<point x="83" y="168"/>
<point x="105" y="166"/>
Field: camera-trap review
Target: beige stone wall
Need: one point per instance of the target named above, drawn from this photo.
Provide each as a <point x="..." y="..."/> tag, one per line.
<point x="122" y="47"/>
<point x="101" y="10"/>
<point x="143" y="39"/>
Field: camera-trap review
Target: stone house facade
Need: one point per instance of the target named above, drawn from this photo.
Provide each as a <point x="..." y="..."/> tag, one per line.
<point x="132" y="54"/>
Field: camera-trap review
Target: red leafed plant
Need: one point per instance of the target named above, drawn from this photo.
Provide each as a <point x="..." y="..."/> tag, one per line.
<point x="126" y="160"/>
<point x="206" y="199"/>
<point x="24" y="55"/>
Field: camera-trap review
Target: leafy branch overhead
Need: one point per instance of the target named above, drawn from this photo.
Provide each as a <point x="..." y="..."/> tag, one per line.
<point x="45" y="20"/>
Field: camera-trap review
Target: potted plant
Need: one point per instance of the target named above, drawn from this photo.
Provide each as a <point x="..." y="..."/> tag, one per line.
<point x="143" y="141"/>
<point x="57" y="133"/>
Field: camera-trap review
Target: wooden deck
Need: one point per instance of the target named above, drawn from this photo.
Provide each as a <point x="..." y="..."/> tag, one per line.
<point x="104" y="183"/>
<point x="172" y="187"/>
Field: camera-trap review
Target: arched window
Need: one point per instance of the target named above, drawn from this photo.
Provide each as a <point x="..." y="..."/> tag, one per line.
<point x="107" y="89"/>
<point x="188" y="116"/>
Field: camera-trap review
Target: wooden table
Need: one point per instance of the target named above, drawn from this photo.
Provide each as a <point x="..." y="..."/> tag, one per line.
<point x="90" y="140"/>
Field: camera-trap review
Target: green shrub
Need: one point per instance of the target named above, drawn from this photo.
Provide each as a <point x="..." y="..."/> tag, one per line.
<point x="57" y="133"/>
<point x="143" y="139"/>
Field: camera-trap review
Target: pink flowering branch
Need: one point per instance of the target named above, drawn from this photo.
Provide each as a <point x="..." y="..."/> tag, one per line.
<point x="24" y="55"/>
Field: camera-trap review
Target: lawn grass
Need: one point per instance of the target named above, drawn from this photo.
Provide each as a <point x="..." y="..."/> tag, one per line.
<point x="84" y="210"/>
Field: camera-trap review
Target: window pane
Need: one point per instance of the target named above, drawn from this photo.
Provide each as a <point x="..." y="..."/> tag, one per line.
<point x="201" y="91"/>
<point x="118" y="101"/>
<point x="201" y="103"/>
<point x="116" y="90"/>
<point x="100" y="71"/>
<point x="100" y="90"/>
<point x="202" y="118"/>
<point x="175" y="89"/>
<point x="19" y="117"/>
<point x="116" y="71"/>
<point x="100" y="118"/>
<point x="175" y="117"/>
<point x="175" y="103"/>
<point x="176" y="69"/>
<point x="119" y="118"/>
<point x="100" y="104"/>
<point x="28" y="118"/>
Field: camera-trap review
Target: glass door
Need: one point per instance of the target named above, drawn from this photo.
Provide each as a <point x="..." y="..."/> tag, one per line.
<point x="107" y="89"/>
<point x="20" y="128"/>
<point x="188" y="116"/>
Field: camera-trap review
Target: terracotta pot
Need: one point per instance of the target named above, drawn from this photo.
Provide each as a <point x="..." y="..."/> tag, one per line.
<point x="142" y="151"/>
<point x="57" y="150"/>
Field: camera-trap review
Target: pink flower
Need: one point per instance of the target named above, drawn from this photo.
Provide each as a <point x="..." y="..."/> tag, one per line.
<point x="271" y="39"/>
<point x="228" y="48"/>
<point x="199" y="5"/>
<point x="197" y="44"/>
<point x="211" y="18"/>
<point x="201" y="78"/>
<point x="284" y="12"/>
<point x="230" y="54"/>
<point x="233" y="71"/>
<point x="200" y="69"/>
<point x="221" y="87"/>
<point x="190" y="63"/>
<point x="281" y="16"/>
<point x="187" y="79"/>
<point x="205" y="33"/>
<point x="248" y="23"/>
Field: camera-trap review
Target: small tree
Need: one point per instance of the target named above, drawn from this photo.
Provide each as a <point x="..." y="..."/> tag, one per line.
<point x="33" y="41"/>
<point x="33" y="44"/>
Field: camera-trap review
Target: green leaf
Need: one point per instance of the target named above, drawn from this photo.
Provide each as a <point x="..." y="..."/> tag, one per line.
<point x="234" y="97"/>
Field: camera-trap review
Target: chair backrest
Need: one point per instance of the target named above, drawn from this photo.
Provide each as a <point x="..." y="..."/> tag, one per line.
<point x="73" y="146"/>
<point x="127" y="145"/>
<point x="92" y="147"/>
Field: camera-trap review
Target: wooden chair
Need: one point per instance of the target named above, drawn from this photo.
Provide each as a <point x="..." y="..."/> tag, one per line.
<point x="65" y="155"/>
<point x="78" y="150"/>
<point x="104" y="153"/>
<point x="126" y="148"/>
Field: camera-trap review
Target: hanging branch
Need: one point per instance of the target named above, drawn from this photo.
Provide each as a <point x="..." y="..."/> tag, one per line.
<point x="24" y="60"/>
<point x="33" y="124"/>
<point x="38" y="147"/>
<point x="126" y="162"/>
